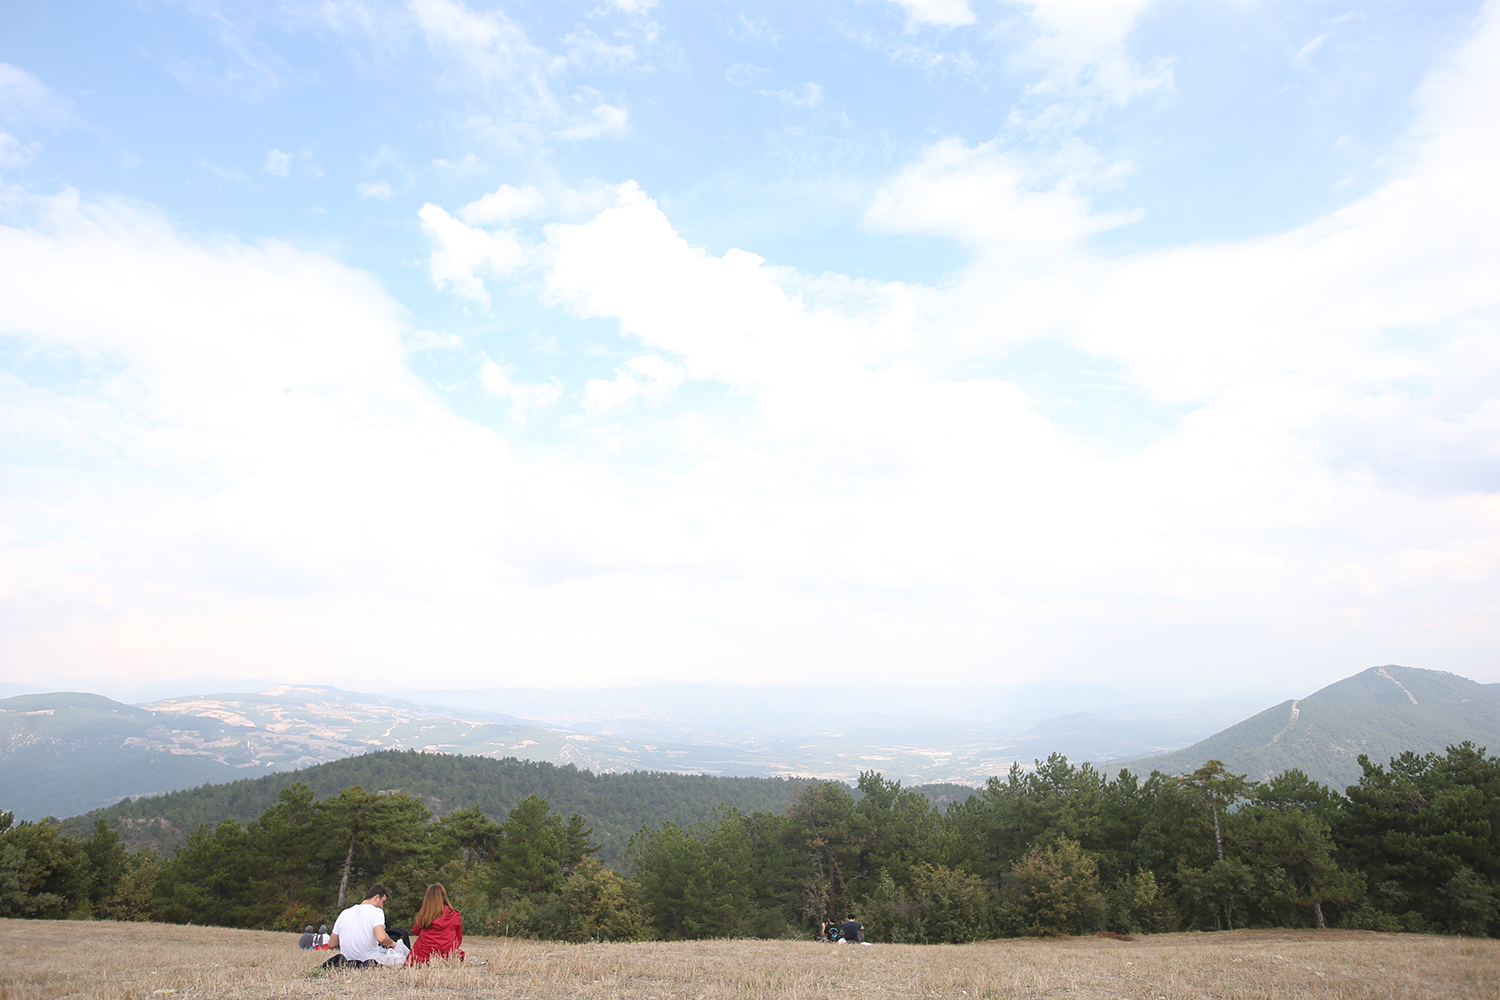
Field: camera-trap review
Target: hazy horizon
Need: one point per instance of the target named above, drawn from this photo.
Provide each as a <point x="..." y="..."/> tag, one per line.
<point x="556" y="705"/>
<point x="886" y="345"/>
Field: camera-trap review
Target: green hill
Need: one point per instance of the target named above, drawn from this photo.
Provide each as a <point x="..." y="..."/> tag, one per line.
<point x="615" y="804"/>
<point x="1381" y="711"/>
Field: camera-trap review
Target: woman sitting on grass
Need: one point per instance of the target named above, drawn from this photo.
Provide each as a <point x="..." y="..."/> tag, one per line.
<point x="438" y="926"/>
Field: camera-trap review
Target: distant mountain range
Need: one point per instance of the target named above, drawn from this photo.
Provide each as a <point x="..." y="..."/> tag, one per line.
<point x="1381" y="712"/>
<point x="68" y="753"/>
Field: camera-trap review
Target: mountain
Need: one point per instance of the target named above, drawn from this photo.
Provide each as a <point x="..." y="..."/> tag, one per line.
<point x="63" y="754"/>
<point x="67" y="753"/>
<point x="1381" y="712"/>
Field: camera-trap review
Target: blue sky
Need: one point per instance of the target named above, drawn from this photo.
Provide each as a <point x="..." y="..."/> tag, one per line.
<point x="559" y="344"/>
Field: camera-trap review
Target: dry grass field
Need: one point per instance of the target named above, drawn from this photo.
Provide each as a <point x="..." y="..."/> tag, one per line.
<point x="108" y="961"/>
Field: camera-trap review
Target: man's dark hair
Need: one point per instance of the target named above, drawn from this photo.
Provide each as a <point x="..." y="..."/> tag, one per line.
<point x="851" y="916"/>
<point x="377" y="890"/>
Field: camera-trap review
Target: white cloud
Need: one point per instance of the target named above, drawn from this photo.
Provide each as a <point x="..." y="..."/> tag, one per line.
<point x="504" y="204"/>
<point x="729" y="318"/>
<point x="996" y="202"/>
<point x="525" y="398"/>
<point x="1297" y="424"/>
<point x="431" y="340"/>
<point x="1081" y="46"/>
<point x="462" y="256"/>
<point x="648" y="378"/>
<point x="812" y="469"/>
<point x="940" y="13"/>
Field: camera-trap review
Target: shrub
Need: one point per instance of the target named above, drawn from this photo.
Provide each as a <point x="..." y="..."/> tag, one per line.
<point x="1054" y="891"/>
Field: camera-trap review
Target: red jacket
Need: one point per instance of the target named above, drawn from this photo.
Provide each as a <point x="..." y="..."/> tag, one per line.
<point x="442" y="938"/>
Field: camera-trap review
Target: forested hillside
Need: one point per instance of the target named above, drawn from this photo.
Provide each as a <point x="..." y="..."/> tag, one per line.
<point x="1063" y="849"/>
<point x="614" y="804"/>
<point x="1379" y="712"/>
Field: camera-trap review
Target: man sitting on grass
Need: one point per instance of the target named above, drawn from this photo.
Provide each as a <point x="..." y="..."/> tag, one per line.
<point x="359" y="932"/>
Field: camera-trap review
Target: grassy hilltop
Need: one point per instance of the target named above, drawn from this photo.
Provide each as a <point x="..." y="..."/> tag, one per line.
<point x="108" y="961"/>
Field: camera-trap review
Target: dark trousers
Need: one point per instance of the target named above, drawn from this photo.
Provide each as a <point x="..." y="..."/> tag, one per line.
<point x="340" y="962"/>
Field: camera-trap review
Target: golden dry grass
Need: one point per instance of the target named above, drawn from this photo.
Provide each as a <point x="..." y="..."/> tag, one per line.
<point x="109" y="961"/>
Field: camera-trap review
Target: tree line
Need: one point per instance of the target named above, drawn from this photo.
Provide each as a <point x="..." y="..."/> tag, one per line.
<point x="1414" y="846"/>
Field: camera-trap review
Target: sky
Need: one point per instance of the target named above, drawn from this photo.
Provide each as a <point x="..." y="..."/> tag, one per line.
<point x="451" y="344"/>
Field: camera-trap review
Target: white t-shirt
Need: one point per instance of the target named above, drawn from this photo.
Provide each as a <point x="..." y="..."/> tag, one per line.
<point x="356" y="930"/>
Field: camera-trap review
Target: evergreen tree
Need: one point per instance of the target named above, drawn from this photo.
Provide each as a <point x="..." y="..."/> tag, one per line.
<point x="41" y="873"/>
<point x="365" y="833"/>
<point x="1418" y="824"/>
<point x="106" y="859"/>
<point x="1293" y="850"/>
<point x="211" y="879"/>
<point x="829" y="833"/>
<point x="578" y="843"/>
<point x="471" y="833"/>
<point x="532" y="850"/>
<point x="1218" y="790"/>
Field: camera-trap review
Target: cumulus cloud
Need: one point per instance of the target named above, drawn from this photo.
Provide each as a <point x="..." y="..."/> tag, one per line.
<point x="504" y="204"/>
<point x="825" y="469"/>
<point x="463" y="256"/>
<point x="1298" y="409"/>
<point x="648" y="378"/>
<point x="525" y="398"/>
<point x="993" y="200"/>
<point x="629" y="264"/>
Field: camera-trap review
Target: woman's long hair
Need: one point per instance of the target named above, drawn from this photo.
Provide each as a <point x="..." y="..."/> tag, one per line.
<point x="433" y="905"/>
